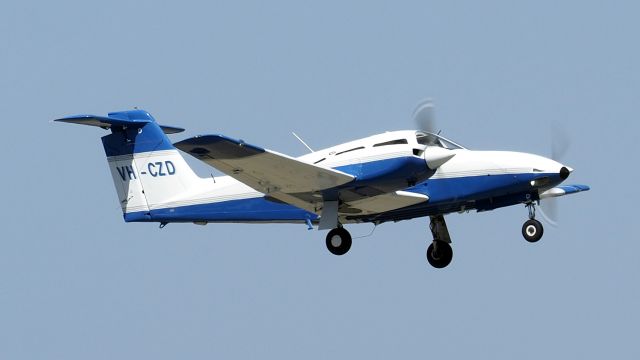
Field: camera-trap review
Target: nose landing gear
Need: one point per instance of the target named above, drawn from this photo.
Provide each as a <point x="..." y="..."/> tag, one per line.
<point x="532" y="229"/>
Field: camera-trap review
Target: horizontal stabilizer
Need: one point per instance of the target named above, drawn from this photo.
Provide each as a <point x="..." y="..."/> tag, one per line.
<point x="134" y="118"/>
<point x="563" y="190"/>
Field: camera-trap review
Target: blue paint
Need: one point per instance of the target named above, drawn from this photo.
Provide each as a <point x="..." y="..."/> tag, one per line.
<point x="570" y="189"/>
<point x="160" y="168"/>
<point x="381" y="176"/>
<point x="479" y="187"/>
<point x="139" y="216"/>
<point x="130" y="172"/>
<point x="446" y="195"/>
<point x="171" y="169"/>
<point x="135" y="139"/>
<point x="122" y="172"/>
<point x="126" y="173"/>
<point x="245" y="210"/>
<point x="404" y="167"/>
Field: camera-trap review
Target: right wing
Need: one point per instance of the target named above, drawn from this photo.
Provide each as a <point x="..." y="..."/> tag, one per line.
<point x="386" y="202"/>
<point x="563" y="190"/>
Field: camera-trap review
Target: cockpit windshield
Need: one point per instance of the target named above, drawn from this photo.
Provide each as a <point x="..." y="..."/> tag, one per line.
<point x="430" y="139"/>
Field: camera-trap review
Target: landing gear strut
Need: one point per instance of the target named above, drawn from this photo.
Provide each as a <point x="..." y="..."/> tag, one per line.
<point x="338" y="241"/>
<point x="532" y="229"/>
<point x="439" y="252"/>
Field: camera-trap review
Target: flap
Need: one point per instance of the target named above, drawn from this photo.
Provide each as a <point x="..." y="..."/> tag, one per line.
<point x="387" y="202"/>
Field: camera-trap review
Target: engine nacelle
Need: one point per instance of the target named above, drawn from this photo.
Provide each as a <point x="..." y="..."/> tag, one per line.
<point x="435" y="156"/>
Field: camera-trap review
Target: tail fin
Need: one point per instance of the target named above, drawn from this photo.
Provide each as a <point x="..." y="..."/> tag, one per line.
<point x="147" y="169"/>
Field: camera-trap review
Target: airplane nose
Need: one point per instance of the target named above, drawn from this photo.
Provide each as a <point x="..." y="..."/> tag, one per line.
<point x="564" y="172"/>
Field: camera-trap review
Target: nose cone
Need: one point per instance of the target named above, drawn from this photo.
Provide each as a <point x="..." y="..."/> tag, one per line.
<point x="565" y="172"/>
<point x="540" y="166"/>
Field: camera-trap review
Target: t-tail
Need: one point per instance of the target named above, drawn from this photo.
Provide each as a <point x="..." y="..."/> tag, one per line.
<point x="147" y="170"/>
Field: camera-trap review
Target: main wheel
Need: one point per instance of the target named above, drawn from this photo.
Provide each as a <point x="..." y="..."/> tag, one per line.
<point x="532" y="230"/>
<point x="338" y="241"/>
<point x="439" y="254"/>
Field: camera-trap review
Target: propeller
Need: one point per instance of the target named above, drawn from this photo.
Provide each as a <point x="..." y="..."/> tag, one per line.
<point x="425" y="119"/>
<point x="560" y="144"/>
<point x="424" y="116"/>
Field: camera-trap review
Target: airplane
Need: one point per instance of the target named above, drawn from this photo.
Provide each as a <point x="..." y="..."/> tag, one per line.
<point x="388" y="177"/>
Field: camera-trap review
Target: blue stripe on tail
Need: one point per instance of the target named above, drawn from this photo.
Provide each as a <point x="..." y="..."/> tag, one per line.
<point x="137" y="132"/>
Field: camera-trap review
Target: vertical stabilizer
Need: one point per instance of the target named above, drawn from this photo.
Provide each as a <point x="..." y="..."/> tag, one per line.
<point x="147" y="170"/>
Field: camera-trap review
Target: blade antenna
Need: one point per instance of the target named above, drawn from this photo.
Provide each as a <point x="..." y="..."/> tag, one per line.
<point x="302" y="141"/>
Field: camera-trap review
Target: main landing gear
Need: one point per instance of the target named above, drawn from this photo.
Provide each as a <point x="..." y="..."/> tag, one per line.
<point x="532" y="229"/>
<point x="338" y="241"/>
<point x="439" y="252"/>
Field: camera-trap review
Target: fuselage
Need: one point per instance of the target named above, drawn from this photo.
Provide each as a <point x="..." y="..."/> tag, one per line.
<point x="455" y="179"/>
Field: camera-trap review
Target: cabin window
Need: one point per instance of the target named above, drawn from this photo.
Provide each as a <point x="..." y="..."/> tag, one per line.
<point x="392" y="142"/>
<point x="430" y="139"/>
<point x="354" y="149"/>
<point x="321" y="160"/>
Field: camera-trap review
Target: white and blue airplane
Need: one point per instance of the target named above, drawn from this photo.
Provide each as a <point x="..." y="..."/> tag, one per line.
<point x="393" y="176"/>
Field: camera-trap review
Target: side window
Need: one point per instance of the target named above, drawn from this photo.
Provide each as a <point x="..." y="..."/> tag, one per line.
<point x="354" y="149"/>
<point x="392" y="142"/>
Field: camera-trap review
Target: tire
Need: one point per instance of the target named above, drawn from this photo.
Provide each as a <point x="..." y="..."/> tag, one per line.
<point x="338" y="241"/>
<point x="439" y="254"/>
<point x="532" y="230"/>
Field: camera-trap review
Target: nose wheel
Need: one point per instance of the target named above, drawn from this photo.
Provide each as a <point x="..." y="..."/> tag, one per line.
<point x="532" y="229"/>
<point x="338" y="241"/>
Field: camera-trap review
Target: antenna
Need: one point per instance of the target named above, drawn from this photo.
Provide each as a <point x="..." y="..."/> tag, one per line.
<point x="302" y="141"/>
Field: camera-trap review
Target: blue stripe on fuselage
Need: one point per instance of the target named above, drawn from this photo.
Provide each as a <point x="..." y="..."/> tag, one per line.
<point x="386" y="175"/>
<point x="446" y="193"/>
<point x="244" y="210"/>
<point x="467" y="188"/>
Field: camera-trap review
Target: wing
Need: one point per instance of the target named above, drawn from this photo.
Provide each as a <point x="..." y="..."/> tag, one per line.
<point x="563" y="190"/>
<point x="385" y="202"/>
<point x="277" y="175"/>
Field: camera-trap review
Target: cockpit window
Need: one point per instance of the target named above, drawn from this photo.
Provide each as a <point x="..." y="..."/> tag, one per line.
<point x="430" y="139"/>
<point x="392" y="142"/>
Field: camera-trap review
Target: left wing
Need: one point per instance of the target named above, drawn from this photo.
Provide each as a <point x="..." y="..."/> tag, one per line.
<point x="277" y="175"/>
<point x="563" y="190"/>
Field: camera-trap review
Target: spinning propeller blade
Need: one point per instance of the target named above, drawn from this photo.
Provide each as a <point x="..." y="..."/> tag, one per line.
<point x="560" y="141"/>
<point x="560" y="144"/>
<point x="424" y="116"/>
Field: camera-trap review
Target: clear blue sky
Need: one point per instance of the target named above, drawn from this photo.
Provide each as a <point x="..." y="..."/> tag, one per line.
<point x="76" y="282"/>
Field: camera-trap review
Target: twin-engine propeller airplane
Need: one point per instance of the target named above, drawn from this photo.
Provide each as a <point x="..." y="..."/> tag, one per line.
<point x="393" y="176"/>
